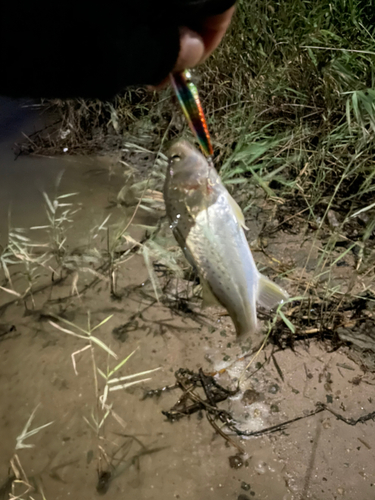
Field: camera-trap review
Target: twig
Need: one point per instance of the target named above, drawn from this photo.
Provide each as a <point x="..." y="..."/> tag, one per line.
<point x="222" y="433"/>
<point x="350" y="421"/>
<point x="273" y="428"/>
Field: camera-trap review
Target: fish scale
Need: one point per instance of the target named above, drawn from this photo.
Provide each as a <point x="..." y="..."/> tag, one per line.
<point x="227" y="273"/>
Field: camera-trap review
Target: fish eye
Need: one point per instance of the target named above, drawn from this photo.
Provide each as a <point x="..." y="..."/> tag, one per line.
<point x="176" y="157"/>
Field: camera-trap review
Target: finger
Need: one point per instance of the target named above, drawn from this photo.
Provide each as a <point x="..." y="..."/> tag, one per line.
<point x="195" y="48"/>
<point x="213" y="29"/>
<point x="159" y="86"/>
<point x="191" y="53"/>
<point x="192" y="50"/>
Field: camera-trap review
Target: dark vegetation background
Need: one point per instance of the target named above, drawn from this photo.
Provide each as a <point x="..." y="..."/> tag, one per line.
<point x="289" y="99"/>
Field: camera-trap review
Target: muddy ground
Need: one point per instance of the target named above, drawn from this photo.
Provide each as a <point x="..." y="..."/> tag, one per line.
<point x="138" y="452"/>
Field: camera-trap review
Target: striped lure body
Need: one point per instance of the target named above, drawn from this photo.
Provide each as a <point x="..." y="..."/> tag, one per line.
<point x="188" y="97"/>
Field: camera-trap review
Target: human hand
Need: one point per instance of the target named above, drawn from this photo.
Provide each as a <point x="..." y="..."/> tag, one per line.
<point x="197" y="46"/>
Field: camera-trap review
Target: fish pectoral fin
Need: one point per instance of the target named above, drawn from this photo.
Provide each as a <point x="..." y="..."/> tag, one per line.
<point x="237" y="211"/>
<point x="269" y="293"/>
<point x="185" y="249"/>
<point x="209" y="298"/>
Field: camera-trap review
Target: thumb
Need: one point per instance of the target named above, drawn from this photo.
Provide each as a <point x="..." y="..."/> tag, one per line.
<point x="191" y="50"/>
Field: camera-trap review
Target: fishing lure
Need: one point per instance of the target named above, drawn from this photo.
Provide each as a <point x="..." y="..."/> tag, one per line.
<point x="188" y="97"/>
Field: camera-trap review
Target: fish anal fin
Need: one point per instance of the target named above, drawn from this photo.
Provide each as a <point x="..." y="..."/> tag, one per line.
<point x="237" y="211"/>
<point x="269" y="293"/>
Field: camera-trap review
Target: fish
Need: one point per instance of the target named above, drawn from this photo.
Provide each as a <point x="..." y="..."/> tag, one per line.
<point x="209" y="226"/>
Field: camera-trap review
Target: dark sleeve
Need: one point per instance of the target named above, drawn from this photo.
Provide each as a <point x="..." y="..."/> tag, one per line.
<point x="78" y="49"/>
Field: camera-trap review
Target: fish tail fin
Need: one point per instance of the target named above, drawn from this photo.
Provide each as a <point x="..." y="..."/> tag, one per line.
<point x="269" y="293"/>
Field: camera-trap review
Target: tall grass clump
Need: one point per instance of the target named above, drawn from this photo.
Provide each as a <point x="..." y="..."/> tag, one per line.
<point x="294" y="81"/>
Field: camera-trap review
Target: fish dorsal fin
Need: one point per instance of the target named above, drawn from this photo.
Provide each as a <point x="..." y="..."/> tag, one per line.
<point x="209" y="298"/>
<point x="270" y="294"/>
<point x="237" y="211"/>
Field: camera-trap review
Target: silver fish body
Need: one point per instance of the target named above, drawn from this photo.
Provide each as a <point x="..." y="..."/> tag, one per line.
<point x="208" y="225"/>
